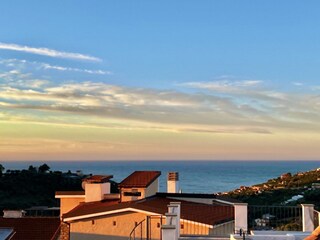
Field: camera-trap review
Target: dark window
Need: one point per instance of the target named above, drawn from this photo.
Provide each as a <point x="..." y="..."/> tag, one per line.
<point x="92" y="222"/>
<point x="181" y="226"/>
<point x="132" y="194"/>
<point x="114" y="223"/>
<point x="158" y="225"/>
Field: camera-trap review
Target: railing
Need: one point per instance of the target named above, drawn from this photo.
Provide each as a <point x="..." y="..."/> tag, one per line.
<point x="316" y="218"/>
<point x="57" y="233"/>
<point x="280" y="218"/>
<point x="242" y="233"/>
<point x="135" y="234"/>
<point x="149" y="228"/>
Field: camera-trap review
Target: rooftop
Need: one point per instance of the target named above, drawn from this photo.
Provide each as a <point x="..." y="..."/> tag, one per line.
<point x="214" y="197"/>
<point x="140" y="179"/>
<point x="31" y="228"/>
<point x="98" y="178"/>
<point x="202" y="213"/>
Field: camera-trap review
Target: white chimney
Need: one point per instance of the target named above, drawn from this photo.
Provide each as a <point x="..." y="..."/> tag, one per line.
<point x="13" y="213"/>
<point x="173" y="182"/>
<point x="96" y="187"/>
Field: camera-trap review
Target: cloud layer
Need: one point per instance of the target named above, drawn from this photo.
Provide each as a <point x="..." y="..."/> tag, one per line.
<point x="45" y="118"/>
<point x="228" y="107"/>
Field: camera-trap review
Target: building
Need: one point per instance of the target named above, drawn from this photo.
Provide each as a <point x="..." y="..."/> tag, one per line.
<point x="139" y="208"/>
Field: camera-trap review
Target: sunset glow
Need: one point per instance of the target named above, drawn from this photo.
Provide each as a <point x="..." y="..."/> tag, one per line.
<point x="159" y="89"/>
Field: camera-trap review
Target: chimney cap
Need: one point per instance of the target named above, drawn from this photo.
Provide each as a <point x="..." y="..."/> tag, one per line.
<point x="173" y="176"/>
<point x="98" y="179"/>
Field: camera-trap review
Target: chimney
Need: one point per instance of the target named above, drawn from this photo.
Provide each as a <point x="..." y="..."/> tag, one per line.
<point x="173" y="182"/>
<point x="13" y="213"/>
<point x="96" y="187"/>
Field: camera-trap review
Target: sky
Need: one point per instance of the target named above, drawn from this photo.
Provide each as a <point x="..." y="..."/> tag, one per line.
<point x="159" y="80"/>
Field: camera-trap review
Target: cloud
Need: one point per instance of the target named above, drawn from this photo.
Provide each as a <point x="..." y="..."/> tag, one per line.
<point x="248" y="108"/>
<point x="224" y="85"/>
<point x="48" y="52"/>
<point x="60" y="68"/>
<point x="22" y="64"/>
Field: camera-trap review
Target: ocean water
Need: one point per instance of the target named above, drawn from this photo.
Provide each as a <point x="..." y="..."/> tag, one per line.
<point x="195" y="176"/>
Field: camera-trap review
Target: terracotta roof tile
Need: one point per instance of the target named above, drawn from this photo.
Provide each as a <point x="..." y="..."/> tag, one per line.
<point x="98" y="178"/>
<point x="92" y="207"/>
<point x="202" y="213"/>
<point x="31" y="228"/>
<point x="140" y="179"/>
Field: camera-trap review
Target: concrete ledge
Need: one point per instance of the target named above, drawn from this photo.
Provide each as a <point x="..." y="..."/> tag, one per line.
<point x="168" y="227"/>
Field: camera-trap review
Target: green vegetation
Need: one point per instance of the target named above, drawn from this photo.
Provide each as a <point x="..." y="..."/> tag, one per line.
<point x="286" y="190"/>
<point x="32" y="187"/>
<point x="36" y="187"/>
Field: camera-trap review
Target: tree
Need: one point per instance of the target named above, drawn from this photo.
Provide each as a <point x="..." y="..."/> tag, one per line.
<point x="32" y="169"/>
<point x="43" y="168"/>
<point x="1" y="169"/>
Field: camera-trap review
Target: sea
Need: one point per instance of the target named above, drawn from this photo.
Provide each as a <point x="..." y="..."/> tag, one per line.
<point x="195" y="176"/>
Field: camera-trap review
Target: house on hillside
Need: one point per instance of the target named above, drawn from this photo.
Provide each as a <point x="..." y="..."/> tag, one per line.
<point x="139" y="209"/>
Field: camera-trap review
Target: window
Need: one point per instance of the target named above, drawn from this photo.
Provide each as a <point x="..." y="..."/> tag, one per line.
<point x="92" y="222"/>
<point x="135" y="194"/>
<point x="114" y="223"/>
<point x="181" y="226"/>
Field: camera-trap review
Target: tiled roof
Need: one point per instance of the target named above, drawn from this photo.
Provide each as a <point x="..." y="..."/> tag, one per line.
<point x="92" y="207"/>
<point x="98" y="178"/>
<point x="140" y="179"/>
<point x="212" y="196"/>
<point x="202" y="213"/>
<point x="31" y="228"/>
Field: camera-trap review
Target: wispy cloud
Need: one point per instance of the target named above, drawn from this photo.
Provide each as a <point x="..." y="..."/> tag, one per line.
<point x="61" y="68"/>
<point x="22" y="63"/>
<point x="48" y="52"/>
<point x="224" y="85"/>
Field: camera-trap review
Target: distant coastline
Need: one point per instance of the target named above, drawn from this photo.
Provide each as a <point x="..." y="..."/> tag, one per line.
<point x="195" y="176"/>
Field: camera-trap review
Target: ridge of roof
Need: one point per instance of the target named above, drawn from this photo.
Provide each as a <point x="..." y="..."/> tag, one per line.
<point x="98" y="178"/>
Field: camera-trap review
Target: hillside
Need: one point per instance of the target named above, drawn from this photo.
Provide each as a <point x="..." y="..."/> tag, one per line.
<point x="34" y="187"/>
<point x="287" y="189"/>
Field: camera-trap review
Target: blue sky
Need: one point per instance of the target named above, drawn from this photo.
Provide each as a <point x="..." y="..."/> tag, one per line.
<point x="193" y="67"/>
<point x="149" y="43"/>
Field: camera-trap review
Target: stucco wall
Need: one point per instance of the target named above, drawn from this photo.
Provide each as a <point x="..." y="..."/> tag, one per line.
<point x="96" y="191"/>
<point x="152" y="188"/>
<point x="191" y="228"/>
<point x="104" y="228"/>
<point x="132" y="198"/>
<point x="187" y="228"/>
<point x="66" y="204"/>
<point x="224" y="229"/>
